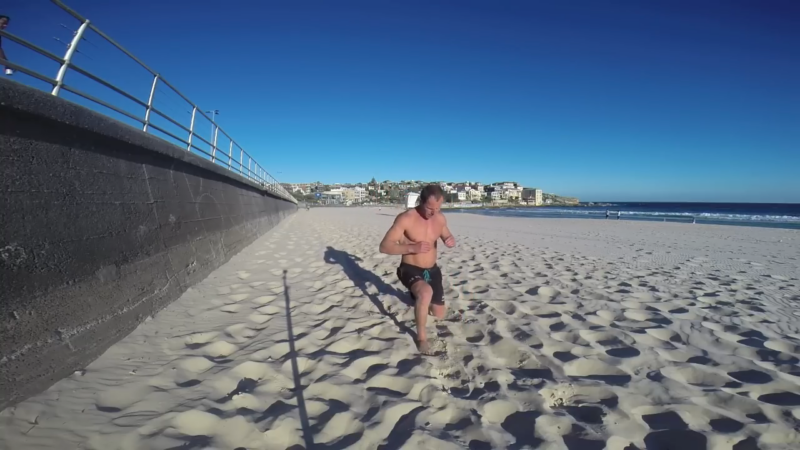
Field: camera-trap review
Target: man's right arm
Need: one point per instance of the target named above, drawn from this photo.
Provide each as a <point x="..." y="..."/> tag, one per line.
<point x="395" y="243"/>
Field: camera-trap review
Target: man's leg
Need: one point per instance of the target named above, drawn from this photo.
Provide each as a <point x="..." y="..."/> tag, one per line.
<point x="438" y="311"/>
<point x="438" y="308"/>
<point x="423" y="293"/>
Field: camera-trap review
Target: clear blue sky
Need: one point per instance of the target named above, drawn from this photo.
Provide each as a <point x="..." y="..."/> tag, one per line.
<point x="679" y="100"/>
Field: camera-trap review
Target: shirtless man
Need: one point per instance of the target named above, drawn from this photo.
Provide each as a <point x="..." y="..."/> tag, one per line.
<point x="414" y="235"/>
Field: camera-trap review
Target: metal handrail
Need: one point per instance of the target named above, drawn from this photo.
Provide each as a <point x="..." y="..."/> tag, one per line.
<point x="251" y="170"/>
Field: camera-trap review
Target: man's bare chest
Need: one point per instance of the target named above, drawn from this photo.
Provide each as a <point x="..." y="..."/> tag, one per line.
<point x="424" y="231"/>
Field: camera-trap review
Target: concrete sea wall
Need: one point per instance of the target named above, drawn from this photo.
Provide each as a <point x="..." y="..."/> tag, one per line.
<point x="101" y="226"/>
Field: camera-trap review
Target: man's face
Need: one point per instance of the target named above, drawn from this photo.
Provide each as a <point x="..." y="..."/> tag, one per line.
<point x="3" y="23"/>
<point x="432" y="207"/>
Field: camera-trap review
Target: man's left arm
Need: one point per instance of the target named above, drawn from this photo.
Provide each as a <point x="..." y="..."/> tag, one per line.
<point x="447" y="236"/>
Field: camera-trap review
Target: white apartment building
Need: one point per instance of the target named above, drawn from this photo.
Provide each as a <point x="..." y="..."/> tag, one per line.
<point x="331" y="197"/>
<point x="512" y="194"/>
<point x="360" y="194"/>
<point x="355" y="194"/>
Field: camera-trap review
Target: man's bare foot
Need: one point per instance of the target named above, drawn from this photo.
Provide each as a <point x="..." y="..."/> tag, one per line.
<point x="424" y="347"/>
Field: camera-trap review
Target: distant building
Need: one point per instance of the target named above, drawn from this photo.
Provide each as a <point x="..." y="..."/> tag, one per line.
<point x="512" y="194"/>
<point x="457" y="196"/>
<point x="532" y="196"/>
<point x="506" y="184"/>
<point x="355" y="194"/>
<point x="332" y="198"/>
<point x="303" y="189"/>
<point x="412" y="200"/>
<point x="360" y="194"/>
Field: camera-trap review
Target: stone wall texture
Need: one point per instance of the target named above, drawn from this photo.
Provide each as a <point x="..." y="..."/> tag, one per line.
<point x="101" y="226"/>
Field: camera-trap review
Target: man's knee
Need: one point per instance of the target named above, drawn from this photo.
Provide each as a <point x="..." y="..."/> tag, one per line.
<point x="423" y="292"/>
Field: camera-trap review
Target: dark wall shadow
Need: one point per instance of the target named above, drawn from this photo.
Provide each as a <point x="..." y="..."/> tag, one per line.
<point x="298" y="384"/>
<point x="361" y="276"/>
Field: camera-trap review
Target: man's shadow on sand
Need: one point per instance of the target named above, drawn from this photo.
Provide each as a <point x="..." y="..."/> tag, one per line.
<point x="361" y="276"/>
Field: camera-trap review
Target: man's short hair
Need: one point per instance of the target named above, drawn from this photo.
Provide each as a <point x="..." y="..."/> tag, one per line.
<point x="8" y="19"/>
<point x="430" y="191"/>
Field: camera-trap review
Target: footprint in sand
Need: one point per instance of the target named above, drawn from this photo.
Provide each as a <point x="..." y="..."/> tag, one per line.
<point x="219" y="349"/>
<point x="188" y="371"/>
<point x="240" y="332"/>
<point x="237" y="297"/>
<point x="118" y="398"/>
<point x="694" y="375"/>
<point x="231" y="308"/>
<point x="200" y="339"/>
<point x="496" y="411"/>
<point x="305" y="366"/>
<point x="264" y="299"/>
<point x="593" y="369"/>
<point x="390" y="385"/>
<point x="195" y="423"/>
<point x="259" y="319"/>
<point x="269" y="310"/>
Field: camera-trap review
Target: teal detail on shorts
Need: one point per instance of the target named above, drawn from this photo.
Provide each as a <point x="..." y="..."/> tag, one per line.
<point x="426" y="275"/>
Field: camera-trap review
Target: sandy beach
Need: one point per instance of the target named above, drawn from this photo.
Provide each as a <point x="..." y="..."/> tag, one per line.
<point x="560" y="334"/>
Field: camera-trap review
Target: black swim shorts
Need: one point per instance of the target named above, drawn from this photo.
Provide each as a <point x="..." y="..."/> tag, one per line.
<point x="409" y="275"/>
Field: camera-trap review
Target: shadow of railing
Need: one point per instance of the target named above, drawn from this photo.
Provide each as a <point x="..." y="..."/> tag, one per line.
<point x="361" y="276"/>
<point x="298" y="383"/>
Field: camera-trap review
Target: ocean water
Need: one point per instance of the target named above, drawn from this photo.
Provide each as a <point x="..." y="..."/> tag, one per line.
<point x="774" y="215"/>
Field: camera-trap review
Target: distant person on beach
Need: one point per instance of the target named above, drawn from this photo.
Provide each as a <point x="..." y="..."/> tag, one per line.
<point x="414" y="235"/>
<point x="3" y="24"/>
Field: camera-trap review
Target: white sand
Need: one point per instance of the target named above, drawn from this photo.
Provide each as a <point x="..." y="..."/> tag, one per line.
<point x="563" y="334"/>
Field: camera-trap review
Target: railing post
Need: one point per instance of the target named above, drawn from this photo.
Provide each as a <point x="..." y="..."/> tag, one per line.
<point x="241" y="160"/>
<point x="191" y="130"/>
<point x="150" y="103"/>
<point x="249" y="172"/>
<point x="230" y="155"/>
<point x="214" y="145"/>
<point x="68" y="57"/>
